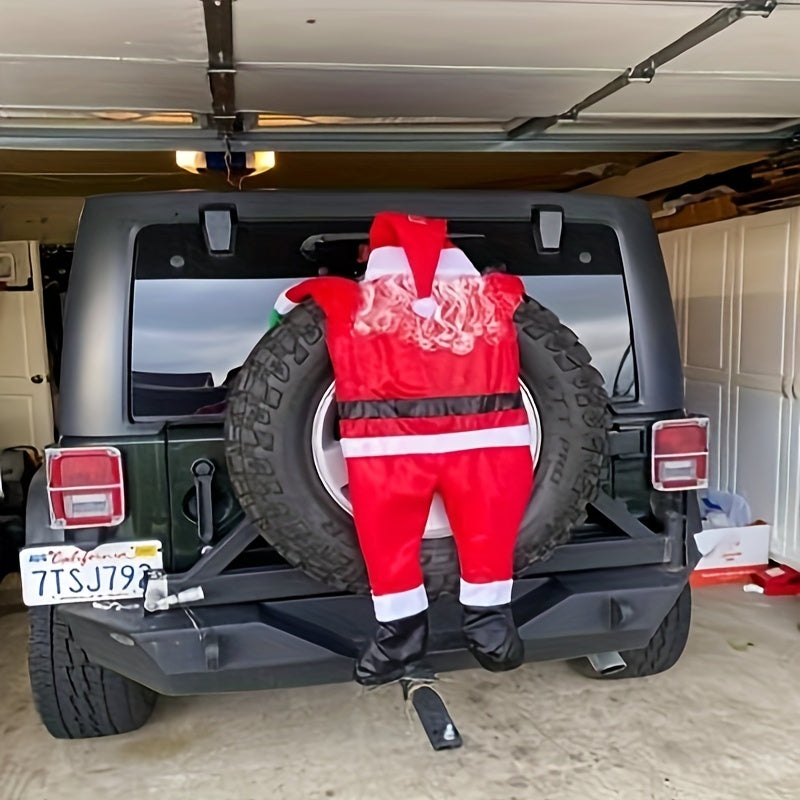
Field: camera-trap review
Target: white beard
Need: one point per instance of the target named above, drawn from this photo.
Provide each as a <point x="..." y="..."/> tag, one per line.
<point x="467" y="310"/>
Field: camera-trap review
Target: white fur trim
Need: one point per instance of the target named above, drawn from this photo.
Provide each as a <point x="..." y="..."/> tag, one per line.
<point x="424" y="307"/>
<point x="384" y="261"/>
<point x="283" y="305"/>
<point x="496" y="593"/>
<point x="398" y="605"/>
<point x="511" y="436"/>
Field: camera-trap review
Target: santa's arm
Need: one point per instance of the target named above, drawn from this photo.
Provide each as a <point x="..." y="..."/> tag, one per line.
<point x="330" y="293"/>
<point x="288" y="299"/>
<point x="508" y="287"/>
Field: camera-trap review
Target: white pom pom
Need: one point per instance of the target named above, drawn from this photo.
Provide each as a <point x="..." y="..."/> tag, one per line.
<point x="424" y="307"/>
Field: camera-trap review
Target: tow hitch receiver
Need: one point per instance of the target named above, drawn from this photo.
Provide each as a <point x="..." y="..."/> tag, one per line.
<point x="432" y="712"/>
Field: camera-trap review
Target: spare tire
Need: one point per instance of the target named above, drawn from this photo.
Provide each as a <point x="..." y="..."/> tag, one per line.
<point x="275" y="461"/>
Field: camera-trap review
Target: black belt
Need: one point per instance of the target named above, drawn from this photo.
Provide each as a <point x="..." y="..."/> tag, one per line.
<point x="430" y="406"/>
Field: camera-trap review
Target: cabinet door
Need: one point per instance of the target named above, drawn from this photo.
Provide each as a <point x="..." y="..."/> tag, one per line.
<point x="786" y="539"/>
<point x="707" y="337"/>
<point x="673" y="247"/>
<point x="763" y="333"/>
<point x="26" y="410"/>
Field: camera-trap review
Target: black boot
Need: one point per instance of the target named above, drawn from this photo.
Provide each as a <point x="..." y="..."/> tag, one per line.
<point x="492" y="637"/>
<point x="395" y="646"/>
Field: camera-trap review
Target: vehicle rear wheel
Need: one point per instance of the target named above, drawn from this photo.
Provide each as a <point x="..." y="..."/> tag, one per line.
<point x="661" y="652"/>
<point x="75" y="698"/>
<point x="295" y="492"/>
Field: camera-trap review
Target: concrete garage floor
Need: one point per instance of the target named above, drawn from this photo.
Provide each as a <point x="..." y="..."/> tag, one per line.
<point x="724" y="723"/>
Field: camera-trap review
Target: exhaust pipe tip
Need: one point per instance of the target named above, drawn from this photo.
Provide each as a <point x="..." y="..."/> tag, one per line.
<point x="607" y="663"/>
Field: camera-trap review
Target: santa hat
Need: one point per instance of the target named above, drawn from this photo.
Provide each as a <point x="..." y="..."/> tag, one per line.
<point x="422" y="240"/>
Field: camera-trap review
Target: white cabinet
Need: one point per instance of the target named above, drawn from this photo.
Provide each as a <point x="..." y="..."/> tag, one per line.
<point x="735" y="287"/>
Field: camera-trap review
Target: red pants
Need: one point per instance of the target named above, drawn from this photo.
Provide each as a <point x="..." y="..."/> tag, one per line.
<point x="485" y="493"/>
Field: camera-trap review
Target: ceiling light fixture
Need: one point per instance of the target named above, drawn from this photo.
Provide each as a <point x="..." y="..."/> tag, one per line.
<point x="242" y="165"/>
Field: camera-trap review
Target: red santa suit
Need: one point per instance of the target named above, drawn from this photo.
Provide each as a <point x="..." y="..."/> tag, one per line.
<point x="426" y="361"/>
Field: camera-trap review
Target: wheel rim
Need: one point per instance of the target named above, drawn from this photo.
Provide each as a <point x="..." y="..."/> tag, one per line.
<point x="332" y="471"/>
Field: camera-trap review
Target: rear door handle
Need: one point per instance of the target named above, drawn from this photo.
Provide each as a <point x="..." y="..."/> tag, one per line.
<point x="203" y="471"/>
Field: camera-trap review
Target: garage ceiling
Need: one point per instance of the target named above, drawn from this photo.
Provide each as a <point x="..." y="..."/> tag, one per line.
<point x="367" y="75"/>
<point x="25" y="172"/>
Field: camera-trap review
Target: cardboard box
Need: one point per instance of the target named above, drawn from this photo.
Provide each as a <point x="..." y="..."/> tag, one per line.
<point x="732" y="548"/>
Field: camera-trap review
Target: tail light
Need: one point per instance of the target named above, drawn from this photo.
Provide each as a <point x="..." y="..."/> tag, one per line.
<point x="680" y="454"/>
<point x="84" y="486"/>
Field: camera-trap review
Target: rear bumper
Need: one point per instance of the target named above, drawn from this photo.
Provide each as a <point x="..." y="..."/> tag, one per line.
<point x="313" y="640"/>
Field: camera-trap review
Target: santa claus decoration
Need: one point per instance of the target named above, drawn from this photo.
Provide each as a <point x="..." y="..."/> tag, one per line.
<point x="426" y="364"/>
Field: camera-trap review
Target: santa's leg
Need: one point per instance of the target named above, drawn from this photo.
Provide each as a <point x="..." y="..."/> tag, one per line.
<point x="391" y="497"/>
<point x="485" y="493"/>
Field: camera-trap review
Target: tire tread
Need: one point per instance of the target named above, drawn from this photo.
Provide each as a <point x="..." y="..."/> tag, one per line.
<point x="75" y="698"/>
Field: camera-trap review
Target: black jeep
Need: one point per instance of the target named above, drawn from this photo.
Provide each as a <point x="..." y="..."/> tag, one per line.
<point x="190" y="530"/>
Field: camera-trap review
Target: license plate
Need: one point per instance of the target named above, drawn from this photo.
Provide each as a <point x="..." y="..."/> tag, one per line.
<point x="63" y="573"/>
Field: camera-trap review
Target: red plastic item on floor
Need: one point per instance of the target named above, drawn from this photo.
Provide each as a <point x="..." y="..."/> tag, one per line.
<point x="777" y="579"/>
<point x="712" y="577"/>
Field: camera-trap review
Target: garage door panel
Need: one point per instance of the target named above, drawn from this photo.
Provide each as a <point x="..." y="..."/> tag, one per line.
<point x="397" y="92"/>
<point x="704" y="95"/>
<point x="461" y="32"/>
<point x="100" y="85"/>
<point x="752" y="45"/>
<point x="141" y="29"/>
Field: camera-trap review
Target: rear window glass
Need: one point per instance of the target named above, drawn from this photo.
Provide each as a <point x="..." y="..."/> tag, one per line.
<point x="196" y="316"/>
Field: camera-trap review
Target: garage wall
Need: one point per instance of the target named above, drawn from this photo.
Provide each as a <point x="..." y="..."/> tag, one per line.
<point x="49" y="220"/>
<point x="735" y="289"/>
